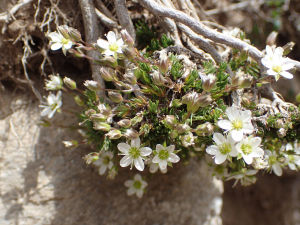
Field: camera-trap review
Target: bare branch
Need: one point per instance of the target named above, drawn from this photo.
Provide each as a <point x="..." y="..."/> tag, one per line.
<point x="106" y="21"/>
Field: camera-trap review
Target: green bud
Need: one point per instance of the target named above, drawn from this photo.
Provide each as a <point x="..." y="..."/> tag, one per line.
<point x="124" y="123"/>
<point x="158" y="78"/>
<point x="209" y="83"/>
<point x="115" y="96"/>
<point x="182" y="128"/>
<point x="137" y="73"/>
<point x="244" y="55"/>
<point x="92" y="157"/>
<point x="174" y="134"/>
<point x="64" y="31"/>
<point x="90" y="112"/>
<point x="204" y="100"/>
<point x="78" y="100"/>
<point x="131" y="134"/>
<point x="246" y="81"/>
<point x="105" y="110"/>
<point x="106" y="75"/>
<point x="246" y="102"/>
<point x="171" y="120"/>
<point x="98" y="117"/>
<point x="101" y="126"/>
<point x="288" y="48"/>
<point x="109" y="61"/>
<point x="92" y="85"/>
<point x="130" y="79"/>
<point x="127" y="38"/>
<point x="205" y="129"/>
<point x="71" y="84"/>
<point x="281" y="159"/>
<point x="114" y="134"/>
<point x="271" y="39"/>
<point x="128" y="51"/>
<point x="70" y="144"/>
<point x="237" y="78"/>
<point x="74" y="34"/>
<point x="164" y="64"/>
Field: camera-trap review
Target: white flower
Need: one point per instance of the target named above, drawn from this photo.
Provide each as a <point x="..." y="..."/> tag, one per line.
<point x="104" y="162"/>
<point x="154" y="167"/>
<point x="246" y="177"/>
<point x="239" y="123"/>
<point x="248" y="148"/>
<point x="58" y="41"/>
<point x="55" y="83"/>
<point x="274" y="165"/>
<point x="293" y="161"/>
<point x="187" y="139"/>
<point x="234" y="32"/>
<point x="134" y="155"/>
<point x="112" y="46"/>
<point x="53" y="104"/>
<point x="136" y="186"/>
<point x="165" y="155"/>
<point x="276" y="64"/>
<point x="223" y="149"/>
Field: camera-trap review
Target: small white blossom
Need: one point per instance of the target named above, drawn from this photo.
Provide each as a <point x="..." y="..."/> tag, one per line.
<point x="234" y="32"/>
<point x="223" y="149"/>
<point x="276" y="64"/>
<point x="134" y="155"/>
<point x="59" y="42"/>
<point x="274" y="165"/>
<point x="53" y="104"/>
<point x="104" y="162"/>
<point x="239" y="123"/>
<point x="246" y="177"/>
<point x="248" y="148"/>
<point x="165" y="155"/>
<point x="155" y="166"/>
<point x="112" y="46"/>
<point x="187" y="139"/>
<point x="55" y="83"/>
<point x="293" y="161"/>
<point x="136" y="186"/>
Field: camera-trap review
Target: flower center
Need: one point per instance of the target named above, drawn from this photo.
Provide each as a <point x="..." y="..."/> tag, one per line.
<point x="272" y="160"/>
<point x="65" y="41"/>
<point x="246" y="148"/>
<point x="137" y="184"/>
<point x="106" y="160"/>
<point x="113" y="47"/>
<point x="225" y="148"/>
<point x="54" y="105"/>
<point x="277" y="68"/>
<point x="134" y="152"/>
<point x="163" y="154"/>
<point x="237" y="124"/>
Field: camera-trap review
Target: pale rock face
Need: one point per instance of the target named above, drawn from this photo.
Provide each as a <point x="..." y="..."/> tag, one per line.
<point x="42" y="182"/>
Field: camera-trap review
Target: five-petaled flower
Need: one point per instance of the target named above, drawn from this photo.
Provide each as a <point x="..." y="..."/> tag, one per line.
<point x="223" y="149"/>
<point x="248" y="148"/>
<point x="136" y="186"/>
<point x="276" y="64"/>
<point x="59" y="42"/>
<point x="112" y="46"/>
<point x="165" y="155"/>
<point x="245" y="176"/>
<point x="53" y="104"/>
<point x="134" y="154"/>
<point x="55" y="83"/>
<point x="239" y="123"/>
<point x="274" y="165"/>
<point x="104" y="162"/>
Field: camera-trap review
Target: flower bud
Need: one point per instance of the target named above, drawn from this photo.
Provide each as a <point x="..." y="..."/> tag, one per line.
<point x="181" y="128"/>
<point x="109" y="61"/>
<point x="237" y="77"/>
<point x="246" y="81"/>
<point x="71" y="84"/>
<point x="164" y="64"/>
<point x="124" y="123"/>
<point x="78" y="101"/>
<point x="131" y="134"/>
<point x="279" y="123"/>
<point x="70" y="144"/>
<point x="64" y="30"/>
<point x="130" y="79"/>
<point x="271" y="39"/>
<point x="209" y="83"/>
<point x="74" y="34"/>
<point x="205" y="129"/>
<point x="174" y="134"/>
<point x="115" y="96"/>
<point x="101" y="126"/>
<point x="98" y="117"/>
<point x="171" y="120"/>
<point x="106" y="75"/>
<point x="128" y="51"/>
<point x="92" y="157"/>
<point x="90" y="112"/>
<point x="244" y="55"/>
<point x="204" y="100"/>
<point x="288" y="48"/>
<point x="246" y="102"/>
<point x="281" y="132"/>
<point x="281" y="159"/>
<point x="127" y="38"/>
<point x="114" y="134"/>
<point x="92" y="85"/>
<point x="158" y="78"/>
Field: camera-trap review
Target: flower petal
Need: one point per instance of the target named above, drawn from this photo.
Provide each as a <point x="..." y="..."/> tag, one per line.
<point x="137" y="177"/>
<point x="131" y="191"/>
<point x="220" y="158"/>
<point x="271" y="72"/>
<point x="173" y="158"/>
<point x="266" y="62"/>
<point x="139" y="164"/>
<point x="159" y="147"/>
<point x="126" y="161"/>
<point x="68" y="45"/>
<point x="55" y="37"/>
<point x="111" y="37"/>
<point x="163" y="164"/>
<point x="102" y="44"/>
<point x="102" y="169"/>
<point x="277" y="169"/>
<point x="233" y="113"/>
<point x="139" y="193"/>
<point x="255" y="142"/>
<point x="56" y="46"/>
<point x="218" y="138"/>
<point x="248" y="159"/>
<point x="153" y="167"/>
<point x="170" y="148"/>
<point x="269" y="50"/>
<point x="233" y="152"/>
<point x="288" y="66"/>
<point x="155" y="159"/>
<point x="237" y="135"/>
<point x="46" y="111"/>
<point x="246" y="116"/>
<point x="213" y="150"/>
<point x="136" y="142"/>
<point x="124" y="147"/>
<point x="225" y="124"/>
<point x="128" y="183"/>
<point x="145" y="151"/>
<point x="247" y="128"/>
<point x="287" y="75"/>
